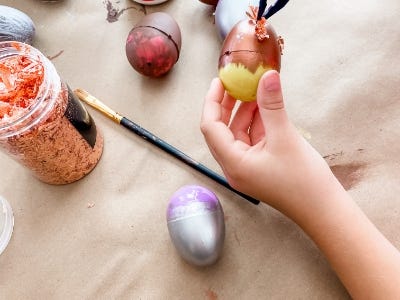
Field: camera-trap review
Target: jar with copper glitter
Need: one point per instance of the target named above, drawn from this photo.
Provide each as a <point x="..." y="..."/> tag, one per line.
<point x="43" y="126"/>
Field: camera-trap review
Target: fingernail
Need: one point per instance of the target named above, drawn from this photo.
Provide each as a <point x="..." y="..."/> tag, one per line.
<point x="271" y="81"/>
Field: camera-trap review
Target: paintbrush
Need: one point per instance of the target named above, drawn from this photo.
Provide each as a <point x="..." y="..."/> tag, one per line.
<point x="148" y="136"/>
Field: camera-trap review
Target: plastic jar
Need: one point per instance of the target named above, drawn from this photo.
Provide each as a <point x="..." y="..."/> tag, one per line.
<point x="43" y="125"/>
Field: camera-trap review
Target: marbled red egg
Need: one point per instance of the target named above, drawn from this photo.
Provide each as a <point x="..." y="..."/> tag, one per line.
<point x="153" y="45"/>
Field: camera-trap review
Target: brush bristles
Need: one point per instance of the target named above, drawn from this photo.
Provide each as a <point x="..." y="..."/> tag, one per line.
<point x="92" y="101"/>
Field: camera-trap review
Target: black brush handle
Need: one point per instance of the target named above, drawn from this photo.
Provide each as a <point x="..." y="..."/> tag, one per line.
<point x="274" y="8"/>
<point x="140" y="131"/>
<point x="261" y="8"/>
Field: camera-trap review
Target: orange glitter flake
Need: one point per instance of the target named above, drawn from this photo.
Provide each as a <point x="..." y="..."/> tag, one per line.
<point x="261" y="29"/>
<point x="4" y="109"/>
<point x="20" y="79"/>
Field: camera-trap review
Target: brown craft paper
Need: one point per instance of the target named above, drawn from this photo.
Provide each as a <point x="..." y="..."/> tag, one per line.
<point x="105" y="236"/>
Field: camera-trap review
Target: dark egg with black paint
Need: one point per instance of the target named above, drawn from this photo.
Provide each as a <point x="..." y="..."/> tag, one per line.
<point x="210" y="2"/>
<point x="245" y="58"/>
<point x="153" y="45"/>
<point x="15" y="25"/>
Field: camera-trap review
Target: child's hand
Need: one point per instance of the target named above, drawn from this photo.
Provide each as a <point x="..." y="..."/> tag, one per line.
<point x="261" y="152"/>
<point x="263" y="155"/>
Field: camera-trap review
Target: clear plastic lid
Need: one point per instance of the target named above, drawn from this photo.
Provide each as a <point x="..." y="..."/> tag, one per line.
<point x="6" y="223"/>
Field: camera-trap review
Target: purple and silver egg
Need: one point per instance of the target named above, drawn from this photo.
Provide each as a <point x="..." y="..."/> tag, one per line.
<point x="196" y="224"/>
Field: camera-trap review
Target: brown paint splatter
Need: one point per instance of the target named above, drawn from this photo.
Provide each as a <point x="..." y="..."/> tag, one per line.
<point x="333" y="155"/>
<point x="236" y="237"/>
<point x="349" y="175"/>
<point x="211" y="295"/>
<point x="114" y="13"/>
<point x="144" y="9"/>
<point x="56" y="55"/>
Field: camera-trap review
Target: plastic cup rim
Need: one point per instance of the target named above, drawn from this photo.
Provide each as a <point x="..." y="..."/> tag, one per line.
<point x="6" y="234"/>
<point x="150" y="2"/>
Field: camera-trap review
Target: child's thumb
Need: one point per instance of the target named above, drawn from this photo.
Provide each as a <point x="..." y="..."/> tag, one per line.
<point x="270" y="101"/>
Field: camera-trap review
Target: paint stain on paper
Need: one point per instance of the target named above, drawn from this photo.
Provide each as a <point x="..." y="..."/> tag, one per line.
<point x="350" y="174"/>
<point x="333" y="155"/>
<point x="55" y="55"/>
<point x="211" y="295"/>
<point x="236" y="237"/>
<point x="113" y="13"/>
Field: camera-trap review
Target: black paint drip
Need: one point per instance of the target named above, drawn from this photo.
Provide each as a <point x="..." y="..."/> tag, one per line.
<point x="79" y="117"/>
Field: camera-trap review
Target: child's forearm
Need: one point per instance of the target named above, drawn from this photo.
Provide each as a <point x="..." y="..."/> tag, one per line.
<point x="365" y="261"/>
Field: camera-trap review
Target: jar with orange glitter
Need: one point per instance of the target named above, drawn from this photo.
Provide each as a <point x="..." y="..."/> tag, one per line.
<point x="43" y="126"/>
